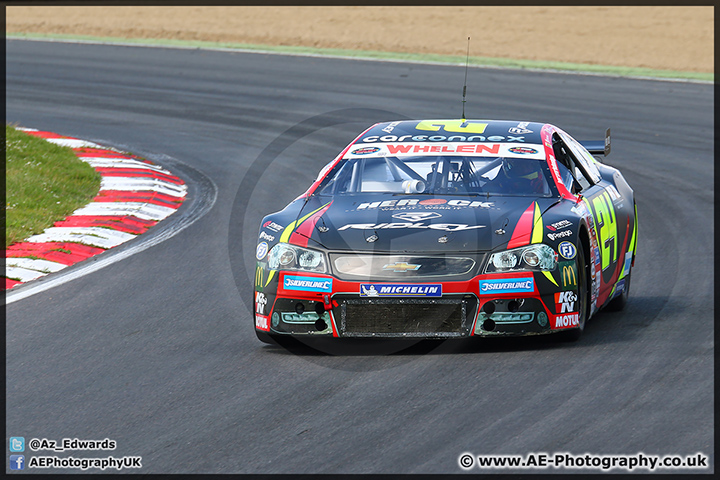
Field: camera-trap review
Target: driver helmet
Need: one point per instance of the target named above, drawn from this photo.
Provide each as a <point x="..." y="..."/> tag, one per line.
<point x="517" y="168"/>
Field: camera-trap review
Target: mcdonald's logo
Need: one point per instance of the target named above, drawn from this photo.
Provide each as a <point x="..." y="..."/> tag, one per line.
<point x="568" y="275"/>
<point x="259" y="277"/>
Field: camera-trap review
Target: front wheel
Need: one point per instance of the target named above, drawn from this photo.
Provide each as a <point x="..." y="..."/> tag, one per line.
<point x="583" y="302"/>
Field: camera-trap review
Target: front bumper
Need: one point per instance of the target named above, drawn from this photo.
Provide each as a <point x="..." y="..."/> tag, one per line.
<point x="486" y="305"/>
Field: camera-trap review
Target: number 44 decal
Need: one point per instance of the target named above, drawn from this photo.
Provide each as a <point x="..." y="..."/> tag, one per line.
<point x="605" y="219"/>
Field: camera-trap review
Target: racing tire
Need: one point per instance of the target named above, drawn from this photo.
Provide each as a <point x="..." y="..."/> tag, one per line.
<point x="618" y="303"/>
<point x="583" y="270"/>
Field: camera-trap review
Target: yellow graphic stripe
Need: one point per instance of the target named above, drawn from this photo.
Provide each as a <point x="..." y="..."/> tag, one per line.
<point x="589" y="209"/>
<point x="270" y="277"/>
<point x="537" y="233"/>
<point x="634" y="235"/>
<point x="285" y="236"/>
<point x="550" y="277"/>
<point x="631" y="247"/>
<point x="612" y="226"/>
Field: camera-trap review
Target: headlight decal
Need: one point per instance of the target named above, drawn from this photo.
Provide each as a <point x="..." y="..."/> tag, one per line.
<point x="270" y="277"/>
<point x="285" y="236"/>
<point x="529" y="228"/>
<point x="537" y="233"/>
<point x="549" y="276"/>
<point x="301" y="235"/>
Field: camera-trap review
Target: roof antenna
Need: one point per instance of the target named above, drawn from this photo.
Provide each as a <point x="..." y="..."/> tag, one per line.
<point x="467" y="59"/>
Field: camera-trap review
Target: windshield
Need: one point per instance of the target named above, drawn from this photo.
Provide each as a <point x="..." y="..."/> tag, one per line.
<point x="444" y="175"/>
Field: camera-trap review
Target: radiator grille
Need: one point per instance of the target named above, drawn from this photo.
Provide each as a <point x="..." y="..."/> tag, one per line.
<point x="396" y="267"/>
<point x="403" y="317"/>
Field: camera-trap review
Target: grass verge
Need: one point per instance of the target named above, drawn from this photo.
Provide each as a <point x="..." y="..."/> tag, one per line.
<point x="387" y="56"/>
<point x="44" y="183"/>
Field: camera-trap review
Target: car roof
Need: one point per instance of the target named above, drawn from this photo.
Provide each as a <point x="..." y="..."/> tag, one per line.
<point x="454" y="130"/>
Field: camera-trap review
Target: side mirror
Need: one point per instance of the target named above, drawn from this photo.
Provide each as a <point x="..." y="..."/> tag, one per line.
<point x="576" y="188"/>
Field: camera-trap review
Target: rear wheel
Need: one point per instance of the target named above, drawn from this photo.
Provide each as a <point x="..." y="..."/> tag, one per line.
<point x="583" y="296"/>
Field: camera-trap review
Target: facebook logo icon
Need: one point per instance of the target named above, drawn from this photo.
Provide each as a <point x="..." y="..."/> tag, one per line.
<point x="17" y="462"/>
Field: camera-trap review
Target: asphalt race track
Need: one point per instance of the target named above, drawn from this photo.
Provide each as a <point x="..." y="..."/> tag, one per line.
<point x="157" y="351"/>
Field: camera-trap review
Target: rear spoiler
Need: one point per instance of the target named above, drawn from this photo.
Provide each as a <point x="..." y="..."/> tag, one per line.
<point x="598" y="147"/>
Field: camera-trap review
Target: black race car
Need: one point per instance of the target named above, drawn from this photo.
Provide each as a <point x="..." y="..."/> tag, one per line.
<point x="449" y="228"/>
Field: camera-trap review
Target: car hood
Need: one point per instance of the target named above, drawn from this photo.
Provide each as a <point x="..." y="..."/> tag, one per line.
<point x="422" y="223"/>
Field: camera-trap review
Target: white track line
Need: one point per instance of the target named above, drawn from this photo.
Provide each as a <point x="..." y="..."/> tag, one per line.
<point x="23" y="274"/>
<point x="145" y="211"/>
<point x="139" y="184"/>
<point x="45" y="266"/>
<point x="103" y="162"/>
<point x="74" y="143"/>
<point x="95" y="236"/>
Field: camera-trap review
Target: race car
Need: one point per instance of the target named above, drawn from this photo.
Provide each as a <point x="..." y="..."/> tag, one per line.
<point x="449" y="229"/>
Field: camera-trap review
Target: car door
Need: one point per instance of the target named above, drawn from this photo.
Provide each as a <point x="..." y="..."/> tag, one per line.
<point x="601" y="199"/>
